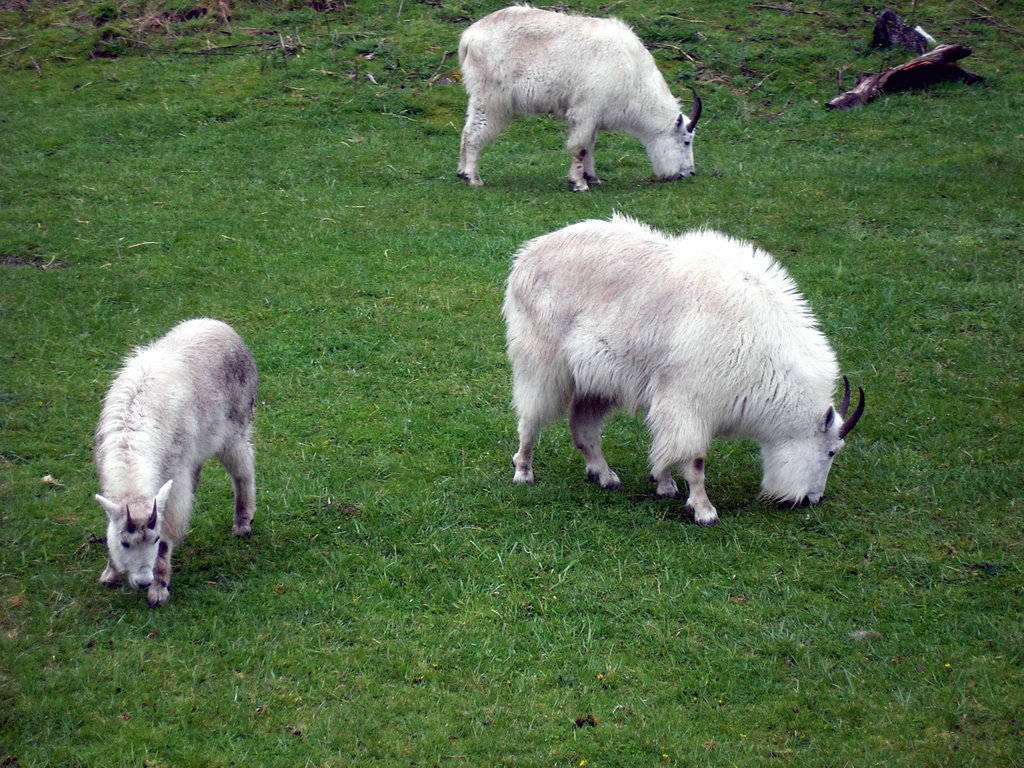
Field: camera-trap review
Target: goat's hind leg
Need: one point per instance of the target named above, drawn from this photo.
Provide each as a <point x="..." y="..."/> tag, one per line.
<point x="483" y="124"/>
<point x="522" y="461"/>
<point x="540" y="397"/>
<point x="240" y="463"/>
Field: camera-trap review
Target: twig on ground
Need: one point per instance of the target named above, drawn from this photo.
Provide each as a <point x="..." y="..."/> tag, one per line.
<point x="437" y="71"/>
<point x="16" y="50"/>
<point x="997" y="21"/>
<point x="788" y="8"/>
<point x="679" y="50"/>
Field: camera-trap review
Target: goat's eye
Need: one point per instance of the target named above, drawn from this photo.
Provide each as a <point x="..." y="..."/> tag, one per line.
<point x="831" y="454"/>
<point x="125" y="544"/>
<point x="156" y="540"/>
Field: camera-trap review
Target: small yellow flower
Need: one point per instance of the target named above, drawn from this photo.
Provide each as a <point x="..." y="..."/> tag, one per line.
<point x="601" y="677"/>
<point x="583" y="764"/>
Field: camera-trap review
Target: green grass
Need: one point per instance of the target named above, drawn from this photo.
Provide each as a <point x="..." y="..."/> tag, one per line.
<point x="400" y="602"/>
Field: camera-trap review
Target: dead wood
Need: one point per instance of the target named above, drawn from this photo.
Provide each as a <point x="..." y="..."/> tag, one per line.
<point x="933" y="67"/>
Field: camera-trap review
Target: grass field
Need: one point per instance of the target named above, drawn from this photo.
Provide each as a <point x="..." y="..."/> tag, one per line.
<point x="400" y="602"/>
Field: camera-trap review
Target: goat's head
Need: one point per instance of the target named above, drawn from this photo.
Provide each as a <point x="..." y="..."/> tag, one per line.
<point x="133" y="535"/>
<point x="673" y="158"/>
<point x="796" y="469"/>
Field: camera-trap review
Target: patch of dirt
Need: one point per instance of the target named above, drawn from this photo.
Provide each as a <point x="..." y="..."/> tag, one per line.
<point x="326" y="6"/>
<point x="39" y="262"/>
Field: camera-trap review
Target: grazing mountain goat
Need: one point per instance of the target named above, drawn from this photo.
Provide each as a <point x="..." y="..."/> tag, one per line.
<point x="176" y="403"/>
<point x="707" y="334"/>
<point x="595" y="73"/>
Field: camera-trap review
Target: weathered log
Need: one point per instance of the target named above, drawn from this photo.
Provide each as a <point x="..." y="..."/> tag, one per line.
<point x="933" y="67"/>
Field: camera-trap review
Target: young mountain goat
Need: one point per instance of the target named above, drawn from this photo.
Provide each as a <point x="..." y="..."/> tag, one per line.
<point x="595" y="73"/>
<point x="185" y="398"/>
<point x="707" y="334"/>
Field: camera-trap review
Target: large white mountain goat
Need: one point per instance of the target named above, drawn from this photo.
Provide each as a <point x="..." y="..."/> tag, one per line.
<point x="594" y="73"/>
<point x="706" y="334"/>
<point x="185" y="398"/>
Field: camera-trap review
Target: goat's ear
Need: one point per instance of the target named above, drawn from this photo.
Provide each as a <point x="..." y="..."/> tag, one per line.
<point x="679" y="121"/>
<point x="160" y="502"/>
<point x="828" y="419"/>
<point x="112" y="509"/>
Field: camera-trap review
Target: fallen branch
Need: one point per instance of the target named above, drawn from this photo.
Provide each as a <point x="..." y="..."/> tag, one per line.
<point x="933" y="67"/>
<point x="287" y="45"/>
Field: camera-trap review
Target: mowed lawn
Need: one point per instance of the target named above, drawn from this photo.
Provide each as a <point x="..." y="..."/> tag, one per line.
<point x="289" y="168"/>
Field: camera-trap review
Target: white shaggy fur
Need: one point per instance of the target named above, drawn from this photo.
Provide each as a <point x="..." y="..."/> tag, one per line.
<point x="594" y="73"/>
<point x="176" y="403"/>
<point x="706" y="334"/>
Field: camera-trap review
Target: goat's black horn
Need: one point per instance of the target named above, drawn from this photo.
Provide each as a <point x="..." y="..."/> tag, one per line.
<point x="845" y="405"/>
<point x="130" y="526"/>
<point x="851" y="422"/>
<point x="151" y="523"/>
<point x="691" y="121"/>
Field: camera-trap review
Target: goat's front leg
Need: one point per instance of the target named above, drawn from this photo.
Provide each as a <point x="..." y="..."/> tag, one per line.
<point x="589" y="169"/>
<point x="704" y="512"/>
<point x="160" y="589"/>
<point x="667" y="488"/>
<point x="523" y="459"/>
<point x="586" y="417"/>
<point x="110" y="575"/>
<point x="577" y="176"/>
<point x="581" y="145"/>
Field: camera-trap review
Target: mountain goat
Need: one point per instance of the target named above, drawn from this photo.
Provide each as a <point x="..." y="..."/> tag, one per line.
<point x="185" y="398"/>
<point x="706" y="334"/>
<point x="594" y="73"/>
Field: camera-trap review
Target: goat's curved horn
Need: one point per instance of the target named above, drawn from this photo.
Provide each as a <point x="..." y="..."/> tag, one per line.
<point x="851" y="422"/>
<point x="691" y="121"/>
<point x="845" y="405"/>
<point x="151" y="523"/>
<point x="131" y="524"/>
